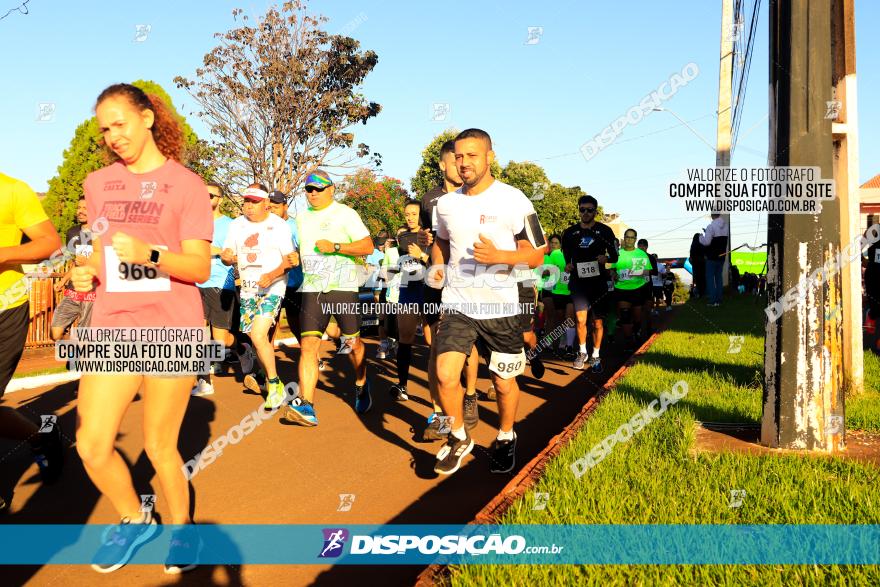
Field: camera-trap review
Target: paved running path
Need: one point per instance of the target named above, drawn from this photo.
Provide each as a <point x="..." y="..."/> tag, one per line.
<point x="283" y="474"/>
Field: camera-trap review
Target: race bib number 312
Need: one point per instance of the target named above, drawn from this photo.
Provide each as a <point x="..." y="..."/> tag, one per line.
<point x="131" y="277"/>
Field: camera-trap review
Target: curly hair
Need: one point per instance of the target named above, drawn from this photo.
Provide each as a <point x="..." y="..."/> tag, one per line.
<point x="166" y="130"/>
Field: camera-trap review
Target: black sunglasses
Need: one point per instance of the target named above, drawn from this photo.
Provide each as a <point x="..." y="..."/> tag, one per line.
<point x="311" y="188"/>
<point x="590" y="210"/>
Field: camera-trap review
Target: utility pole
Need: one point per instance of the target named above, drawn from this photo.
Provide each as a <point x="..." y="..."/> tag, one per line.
<point x="725" y="89"/>
<point x="844" y="127"/>
<point x="803" y="400"/>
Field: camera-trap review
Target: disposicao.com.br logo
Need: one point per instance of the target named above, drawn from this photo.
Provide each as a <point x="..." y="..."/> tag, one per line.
<point x="394" y="544"/>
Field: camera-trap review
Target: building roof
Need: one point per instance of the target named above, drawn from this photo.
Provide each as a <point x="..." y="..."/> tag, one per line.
<point x="873" y="183"/>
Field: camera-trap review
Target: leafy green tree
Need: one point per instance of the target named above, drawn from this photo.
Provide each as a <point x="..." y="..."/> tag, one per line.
<point x="379" y="201"/>
<point x="86" y="154"/>
<point x="530" y="178"/>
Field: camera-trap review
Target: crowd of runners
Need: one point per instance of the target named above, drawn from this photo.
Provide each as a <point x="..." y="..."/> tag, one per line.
<point x="472" y="274"/>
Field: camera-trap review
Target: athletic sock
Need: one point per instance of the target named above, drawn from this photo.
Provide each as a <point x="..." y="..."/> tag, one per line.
<point x="502" y="435"/>
<point x="459" y="433"/>
<point x="583" y="348"/>
<point x="595" y="352"/>
<point x="570" y="333"/>
<point x="404" y="357"/>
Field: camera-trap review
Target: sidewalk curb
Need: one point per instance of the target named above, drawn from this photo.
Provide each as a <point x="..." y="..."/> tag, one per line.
<point x="532" y="471"/>
<point x="23" y="383"/>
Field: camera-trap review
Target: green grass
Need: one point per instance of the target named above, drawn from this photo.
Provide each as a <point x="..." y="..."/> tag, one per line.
<point x="49" y="371"/>
<point x="655" y="478"/>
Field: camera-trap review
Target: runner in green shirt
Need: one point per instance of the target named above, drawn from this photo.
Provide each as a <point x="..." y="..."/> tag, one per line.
<point x="631" y="286"/>
<point x="562" y="305"/>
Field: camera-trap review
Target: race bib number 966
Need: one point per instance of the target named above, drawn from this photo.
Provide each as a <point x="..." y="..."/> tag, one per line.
<point x="131" y="277"/>
<point x="507" y="365"/>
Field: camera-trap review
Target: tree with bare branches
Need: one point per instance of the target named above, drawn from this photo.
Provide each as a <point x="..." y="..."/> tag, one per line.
<point x="281" y="97"/>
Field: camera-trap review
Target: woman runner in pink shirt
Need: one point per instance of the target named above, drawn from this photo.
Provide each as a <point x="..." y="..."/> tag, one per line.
<point x="159" y="217"/>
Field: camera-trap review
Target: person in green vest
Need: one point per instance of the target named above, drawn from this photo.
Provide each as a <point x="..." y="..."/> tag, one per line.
<point x="562" y="304"/>
<point x="632" y="286"/>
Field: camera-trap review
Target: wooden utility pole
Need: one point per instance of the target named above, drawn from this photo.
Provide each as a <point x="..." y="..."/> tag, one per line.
<point x="725" y="89"/>
<point x="846" y="174"/>
<point x="803" y="375"/>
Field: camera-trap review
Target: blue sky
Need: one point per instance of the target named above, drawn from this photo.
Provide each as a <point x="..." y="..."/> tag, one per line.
<point x="540" y="102"/>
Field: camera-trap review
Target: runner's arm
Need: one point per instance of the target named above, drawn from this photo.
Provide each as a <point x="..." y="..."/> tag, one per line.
<point x="360" y="248"/>
<point x="44" y="241"/>
<point x="440" y="252"/>
<point x="192" y="264"/>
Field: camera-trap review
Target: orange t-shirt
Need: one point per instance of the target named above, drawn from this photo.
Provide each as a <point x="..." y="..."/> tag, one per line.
<point x="162" y="207"/>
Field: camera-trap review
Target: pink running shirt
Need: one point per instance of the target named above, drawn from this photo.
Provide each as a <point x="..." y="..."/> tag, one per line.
<point x="162" y="207"/>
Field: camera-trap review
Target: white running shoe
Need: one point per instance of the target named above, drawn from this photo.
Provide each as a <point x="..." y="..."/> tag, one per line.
<point x="289" y="341"/>
<point x="202" y="388"/>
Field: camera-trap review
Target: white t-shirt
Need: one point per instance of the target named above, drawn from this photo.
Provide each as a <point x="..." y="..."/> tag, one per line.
<point x="260" y="247"/>
<point x="500" y="214"/>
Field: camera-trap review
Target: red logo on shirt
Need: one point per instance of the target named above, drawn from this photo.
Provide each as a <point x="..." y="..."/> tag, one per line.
<point x="487" y="219"/>
<point x="114" y="185"/>
<point x="251" y="241"/>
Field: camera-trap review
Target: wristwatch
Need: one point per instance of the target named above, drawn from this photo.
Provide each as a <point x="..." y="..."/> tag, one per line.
<point x="336" y="247"/>
<point x="155" y="254"/>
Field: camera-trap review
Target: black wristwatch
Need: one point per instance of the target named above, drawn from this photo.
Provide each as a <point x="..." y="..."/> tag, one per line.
<point x="336" y="247"/>
<point x="154" y="257"/>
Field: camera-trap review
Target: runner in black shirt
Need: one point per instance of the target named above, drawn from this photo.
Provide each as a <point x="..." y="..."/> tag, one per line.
<point x="587" y="246"/>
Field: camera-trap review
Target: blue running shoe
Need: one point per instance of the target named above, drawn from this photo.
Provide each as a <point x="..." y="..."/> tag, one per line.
<point x="120" y="544"/>
<point x="301" y="412"/>
<point x="363" y="401"/>
<point x="183" y="554"/>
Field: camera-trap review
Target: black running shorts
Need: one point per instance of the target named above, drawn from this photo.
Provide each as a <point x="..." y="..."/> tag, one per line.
<point x="457" y="333"/>
<point x="13" y="335"/>
<point x="591" y="295"/>
<point x="633" y="297"/>
<point x="315" y="314"/>
<point x="219" y="306"/>
<point x="432" y="298"/>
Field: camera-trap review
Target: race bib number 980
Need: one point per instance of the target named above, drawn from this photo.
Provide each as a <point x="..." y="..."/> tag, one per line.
<point x="507" y="365"/>
<point x="131" y="277"/>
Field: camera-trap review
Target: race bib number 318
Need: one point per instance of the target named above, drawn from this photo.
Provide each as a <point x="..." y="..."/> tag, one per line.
<point x="131" y="277"/>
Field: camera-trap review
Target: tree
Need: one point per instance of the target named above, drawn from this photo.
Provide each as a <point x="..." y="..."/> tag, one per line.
<point x="281" y="96"/>
<point x="530" y="178"/>
<point x="379" y="201"/>
<point x="86" y="154"/>
<point x="429" y="176"/>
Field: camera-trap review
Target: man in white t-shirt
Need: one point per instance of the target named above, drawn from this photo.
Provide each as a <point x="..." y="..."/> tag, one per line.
<point x="484" y="229"/>
<point x="259" y="243"/>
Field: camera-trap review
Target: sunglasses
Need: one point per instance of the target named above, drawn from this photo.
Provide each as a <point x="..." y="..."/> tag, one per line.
<point x="311" y="188"/>
<point x="584" y="209"/>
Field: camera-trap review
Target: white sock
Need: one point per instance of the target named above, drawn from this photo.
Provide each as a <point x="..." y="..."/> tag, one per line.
<point x="459" y="433"/>
<point x="595" y="353"/>
<point x="583" y="348"/>
<point x="570" y="333"/>
<point x="502" y="435"/>
<point x="144" y="519"/>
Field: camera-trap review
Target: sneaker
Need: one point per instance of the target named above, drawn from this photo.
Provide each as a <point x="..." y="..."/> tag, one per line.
<point x="450" y="456"/>
<point x="321" y="364"/>
<point x="503" y="455"/>
<point x="363" y="401"/>
<point x="288" y="342"/>
<point x="398" y="392"/>
<point x="120" y="544"/>
<point x="595" y="364"/>
<point x="569" y="353"/>
<point x="48" y="453"/>
<point x="345" y="346"/>
<point x="255" y="382"/>
<point x="433" y="431"/>
<point x="183" y="554"/>
<point x="276" y="396"/>
<point x="301" y="412"/>
<point x="537" y="366"/>
<point x="490" y="393"/>
<point x="471" y="414"/>
<point x="203" y="387"/>
<point x="391" y="353"/>
<point x="382" y="351"/>
<point x="579" y="361"/>
<point x="247" y="358"/>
